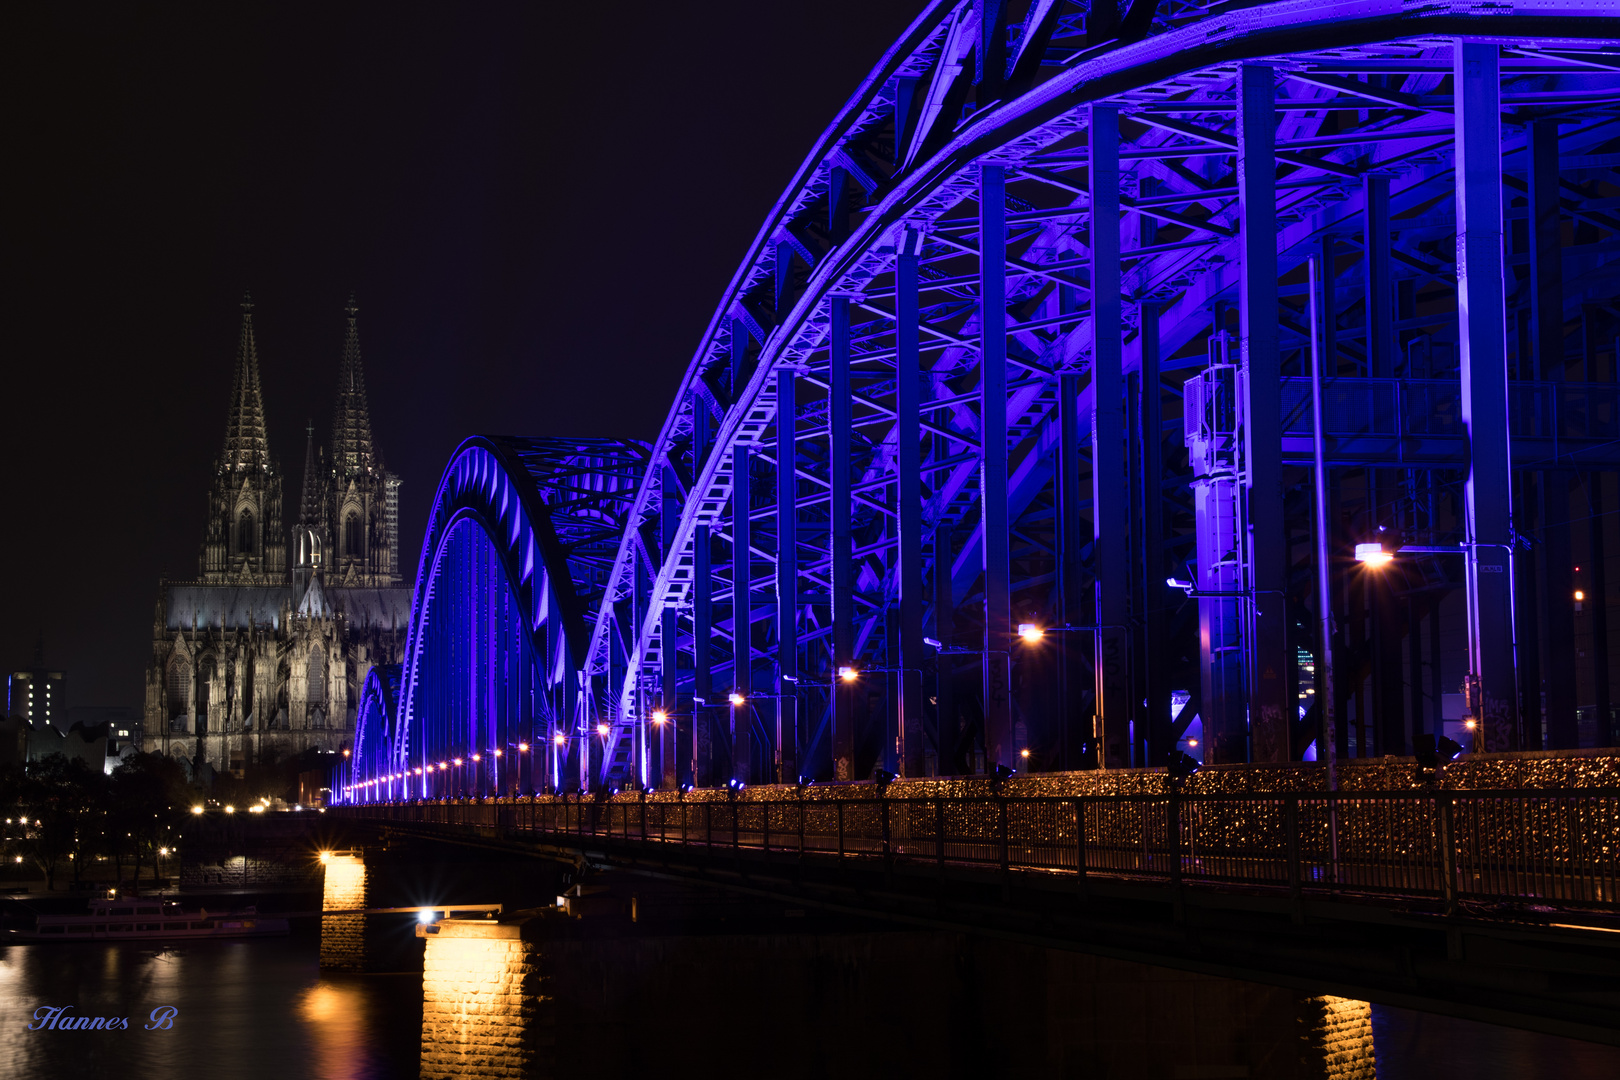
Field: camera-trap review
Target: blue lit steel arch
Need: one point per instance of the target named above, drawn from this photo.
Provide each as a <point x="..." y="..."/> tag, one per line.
<point x="918" y="170"/>
<point x="511" y="565"/>
<point x="372" y="755"/>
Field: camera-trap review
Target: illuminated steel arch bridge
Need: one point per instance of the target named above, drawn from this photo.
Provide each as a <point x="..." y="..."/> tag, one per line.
<point x="1028" y="337"/>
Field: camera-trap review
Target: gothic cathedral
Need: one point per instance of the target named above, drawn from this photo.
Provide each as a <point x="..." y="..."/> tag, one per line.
<point x="259" y="658"/>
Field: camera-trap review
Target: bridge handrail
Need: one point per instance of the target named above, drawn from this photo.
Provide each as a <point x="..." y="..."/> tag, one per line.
<point x="1551" y="847"/>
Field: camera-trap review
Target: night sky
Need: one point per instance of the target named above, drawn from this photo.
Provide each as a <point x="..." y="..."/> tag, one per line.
<point x="536" y="205"/>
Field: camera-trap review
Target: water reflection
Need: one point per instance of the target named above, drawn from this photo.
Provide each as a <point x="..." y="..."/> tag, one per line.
<point x="247" y="1009"/>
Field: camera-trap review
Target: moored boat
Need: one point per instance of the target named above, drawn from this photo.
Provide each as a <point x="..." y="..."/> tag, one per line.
<point x="149" y="919"/>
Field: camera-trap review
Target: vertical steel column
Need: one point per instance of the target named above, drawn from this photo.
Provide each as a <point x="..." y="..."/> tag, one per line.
<point x="1375" y="256"/>
<point x="1527" y="596"/>
<point x="1557" y="561"/>
<point x="695" y="754"/>
<point x="1075" y="598"/>
<point x="1546" y="257"/>
<point x="1268" y="659"/>
<point x="841" y="538"/>
<point x="1482" y="333"/>
<point x="1156" y="670"/>
<point x="1388" y="708"/>
<point x="787" y="580"/>
<point x="998" y="743"/>
<point x="948" y="723"/>
<point x="908" y="443"/>
<point x="1547" y="343"/>
<point x="1110" y="504"/>
<point x="666" y="739"/>
<point x="1598" y="553"/>
<point x="702" y="673"/>
<point x="742" y="713"/>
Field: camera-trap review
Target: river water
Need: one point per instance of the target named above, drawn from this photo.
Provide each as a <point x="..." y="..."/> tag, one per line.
<point x="252" y="1009"/>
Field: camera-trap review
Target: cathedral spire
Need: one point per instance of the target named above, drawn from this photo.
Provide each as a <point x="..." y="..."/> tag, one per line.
<point x="351" y="418"/>
<point x="309" y="502"/>
<point x="247" y="445"/>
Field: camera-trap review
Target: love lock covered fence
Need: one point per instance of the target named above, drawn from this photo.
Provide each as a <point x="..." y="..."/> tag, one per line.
<point x="1557" y="849"/>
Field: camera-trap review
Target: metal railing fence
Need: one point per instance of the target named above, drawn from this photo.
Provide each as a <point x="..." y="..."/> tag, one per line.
<point x="1558" y="848"/>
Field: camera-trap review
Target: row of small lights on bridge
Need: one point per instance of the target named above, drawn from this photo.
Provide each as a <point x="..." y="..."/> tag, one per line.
<point x="1029" y="632"/>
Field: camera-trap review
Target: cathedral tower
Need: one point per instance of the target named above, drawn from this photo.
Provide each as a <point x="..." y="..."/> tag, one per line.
<point x="244" y="543"/>
<point x="362" y="501"/>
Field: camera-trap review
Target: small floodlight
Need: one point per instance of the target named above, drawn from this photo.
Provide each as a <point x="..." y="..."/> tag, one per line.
<point x="478" y="757"/>
<point x="523" y="748"/>
<point x="735" y="784"/>
<point x="560" y="739"/>
<point x="1179" y="583"/>
<point x="602" y="730"/>
<point x="848" y="674"/>
<point x="345" y="751"/>
<point x="230" y="809"/>
<point x="932" y="643"/>
<point x="736" y="698"/>
<point x="424" y="915"/>
<point x="1374" y="555"/>
<point x="1179" y="767"/>
<point x="1024" y="753"/>
<point x="1030" y="632"/>
<point x="659" y="716"/>
<point x="1434" y="752"/>
<point x="197" y="809"/>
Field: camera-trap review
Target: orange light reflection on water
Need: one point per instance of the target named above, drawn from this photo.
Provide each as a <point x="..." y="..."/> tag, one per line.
<point x="335" y="1016"/>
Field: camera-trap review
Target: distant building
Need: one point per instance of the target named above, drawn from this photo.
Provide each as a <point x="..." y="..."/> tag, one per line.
<point x="264" y="654"/>
<point x="22" y="741"/>
<point x="37" y="694"/>
<point x="123" y="723"/>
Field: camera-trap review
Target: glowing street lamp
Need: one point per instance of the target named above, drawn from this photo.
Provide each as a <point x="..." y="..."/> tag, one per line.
<point x="230" y="809"/>
<point x="1373" y="555"/>
<point x="197" y="809"/>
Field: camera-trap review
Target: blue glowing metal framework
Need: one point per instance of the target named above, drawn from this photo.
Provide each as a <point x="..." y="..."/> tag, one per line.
<point x="1454" y="170"/>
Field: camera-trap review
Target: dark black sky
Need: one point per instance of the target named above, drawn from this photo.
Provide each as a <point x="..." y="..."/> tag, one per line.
<point x="537" y="205"/>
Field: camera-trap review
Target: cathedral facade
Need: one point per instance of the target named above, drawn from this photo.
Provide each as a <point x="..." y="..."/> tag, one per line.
<point x="263" y="654"/>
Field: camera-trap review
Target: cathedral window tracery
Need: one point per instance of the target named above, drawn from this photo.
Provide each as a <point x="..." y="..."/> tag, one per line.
<point x="353" y="541"/>
<point x="244" y="533"/>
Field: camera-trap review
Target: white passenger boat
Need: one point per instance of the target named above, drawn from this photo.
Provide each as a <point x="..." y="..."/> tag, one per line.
<point x="148" y="919"/>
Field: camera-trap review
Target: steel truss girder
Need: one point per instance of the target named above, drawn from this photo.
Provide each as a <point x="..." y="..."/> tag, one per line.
<point x="1184" y="277"/>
